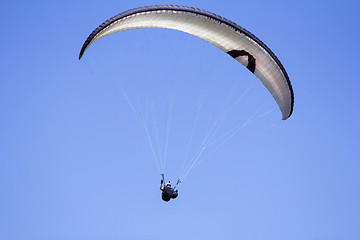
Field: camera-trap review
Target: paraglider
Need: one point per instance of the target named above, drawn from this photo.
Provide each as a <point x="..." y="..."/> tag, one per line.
<point x="167" y="191"/>
<point x="231" y="38"/>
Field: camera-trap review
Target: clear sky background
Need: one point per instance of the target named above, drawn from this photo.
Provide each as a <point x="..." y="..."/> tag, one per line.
<point x="75" y="162"/>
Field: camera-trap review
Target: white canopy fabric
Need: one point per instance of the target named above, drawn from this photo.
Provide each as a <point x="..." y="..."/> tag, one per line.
<point x="222" y="33"/>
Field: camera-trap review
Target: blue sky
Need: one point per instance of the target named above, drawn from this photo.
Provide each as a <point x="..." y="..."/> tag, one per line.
<point x="75" y="162"/>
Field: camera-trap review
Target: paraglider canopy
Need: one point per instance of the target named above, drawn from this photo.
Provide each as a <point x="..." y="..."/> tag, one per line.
<point x="222" y="33"/>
